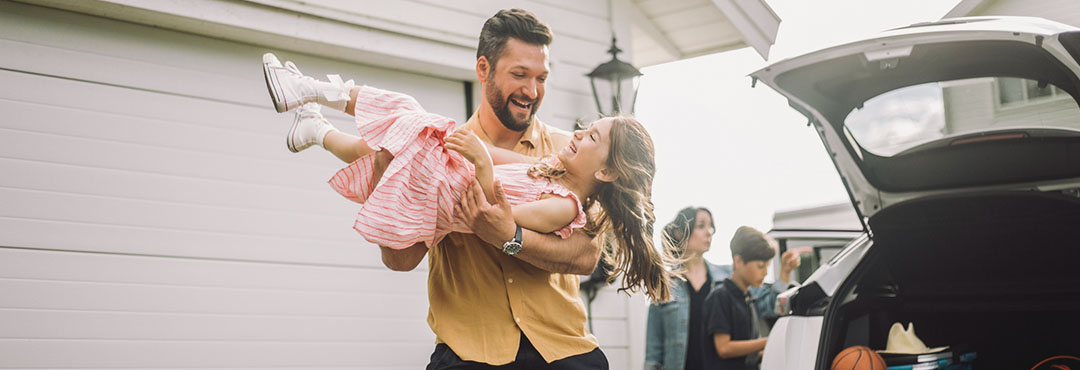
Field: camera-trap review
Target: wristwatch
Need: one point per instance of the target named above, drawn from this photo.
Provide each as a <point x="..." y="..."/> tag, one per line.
<point x="513" y="246"/>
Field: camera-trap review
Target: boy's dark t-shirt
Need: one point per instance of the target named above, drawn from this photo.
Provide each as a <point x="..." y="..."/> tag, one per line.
<point x="727" y="311"/>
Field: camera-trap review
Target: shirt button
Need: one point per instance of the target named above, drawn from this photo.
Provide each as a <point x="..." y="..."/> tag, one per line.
<point x="510" y="280"/>
<point x="517" y="319"/>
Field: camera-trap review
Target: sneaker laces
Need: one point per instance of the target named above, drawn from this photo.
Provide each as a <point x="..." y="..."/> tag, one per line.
<point x="311" y="110"/>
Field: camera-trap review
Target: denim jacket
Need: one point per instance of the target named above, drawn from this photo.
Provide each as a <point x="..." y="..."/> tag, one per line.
<point x="667" y="330"/>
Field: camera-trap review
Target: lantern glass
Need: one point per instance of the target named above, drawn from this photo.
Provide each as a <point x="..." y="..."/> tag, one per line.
<point x="614" y="84"/>
<point x="615" y="95"/>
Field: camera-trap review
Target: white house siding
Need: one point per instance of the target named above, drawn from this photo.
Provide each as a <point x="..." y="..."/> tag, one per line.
<point x="1064" y="11"/>
<point x="150" y="216"/>
<point x="968" y="106"/>
<point x="973" y="106"/>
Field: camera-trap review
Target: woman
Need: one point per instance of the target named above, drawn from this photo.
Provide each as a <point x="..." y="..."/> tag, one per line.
<point x="675" y="333"/>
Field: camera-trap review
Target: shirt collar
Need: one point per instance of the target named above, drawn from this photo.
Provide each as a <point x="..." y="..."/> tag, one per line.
<point x="734" y="289"/>
<point x="532" y="136"/>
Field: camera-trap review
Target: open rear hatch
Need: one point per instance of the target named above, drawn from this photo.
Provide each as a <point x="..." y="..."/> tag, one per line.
<point x="959" y="144"/>
<point x="969" y="104"/>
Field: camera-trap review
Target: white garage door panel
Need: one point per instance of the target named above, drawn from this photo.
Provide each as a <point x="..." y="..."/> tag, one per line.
<point x="65" y="178"/>
<point x="15" y="323"/>
<point x="142" y="298"/>
<point x="214" y="68"/>
<point x="81" y="66"/>
<point x="155" y="159"/>
<point x="108" y="268"/>
<point x="61" y="235"/>
<point x="184" y="132"/>
<point x="124" y="125"/>
<point x="35" y="204"/>
<point x="183" y="354"/>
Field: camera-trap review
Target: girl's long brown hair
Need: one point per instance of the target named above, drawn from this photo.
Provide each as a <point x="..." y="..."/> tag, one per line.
<point x="626" y="211"/>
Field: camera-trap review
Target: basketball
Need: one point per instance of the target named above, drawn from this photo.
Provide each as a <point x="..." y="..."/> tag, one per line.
<point x="858" y="358"/>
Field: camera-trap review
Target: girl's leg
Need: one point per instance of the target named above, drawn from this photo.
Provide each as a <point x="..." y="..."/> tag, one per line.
<point x="349" y="148"/>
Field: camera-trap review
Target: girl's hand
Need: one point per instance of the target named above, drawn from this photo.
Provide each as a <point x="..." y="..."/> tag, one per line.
<point x="470" y="147"/>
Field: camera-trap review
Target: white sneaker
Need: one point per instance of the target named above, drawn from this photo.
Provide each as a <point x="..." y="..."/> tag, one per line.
<point x="289" y="88"/>
<point x="308" y="128"/>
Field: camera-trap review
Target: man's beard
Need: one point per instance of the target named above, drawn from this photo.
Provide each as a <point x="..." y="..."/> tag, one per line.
<point x="501" y="106"/>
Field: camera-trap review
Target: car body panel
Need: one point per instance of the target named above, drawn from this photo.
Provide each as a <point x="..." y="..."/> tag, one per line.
<point x="793" y="343"/>
<point x="831" y="274"/>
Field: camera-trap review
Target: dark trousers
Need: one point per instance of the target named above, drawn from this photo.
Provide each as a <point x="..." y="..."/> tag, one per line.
<point x="527" y="358"/>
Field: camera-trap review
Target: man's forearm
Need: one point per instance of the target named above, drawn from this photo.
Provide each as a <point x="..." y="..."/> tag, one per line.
<point x="574" y="255"/>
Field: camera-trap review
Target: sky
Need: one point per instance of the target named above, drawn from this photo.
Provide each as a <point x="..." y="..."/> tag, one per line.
<point x="741" y="151"/>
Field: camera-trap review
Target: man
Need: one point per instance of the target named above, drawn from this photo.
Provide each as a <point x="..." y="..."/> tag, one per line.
<point x="505" y="295"/>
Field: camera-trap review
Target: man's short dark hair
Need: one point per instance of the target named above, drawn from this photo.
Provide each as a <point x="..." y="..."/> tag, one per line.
<point x="511" y="23"/>
<point x="752" y="245"/>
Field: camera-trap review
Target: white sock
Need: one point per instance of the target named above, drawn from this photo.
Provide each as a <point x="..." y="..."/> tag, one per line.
<point x="333" y="94"/>
<point x="321" y="132"/>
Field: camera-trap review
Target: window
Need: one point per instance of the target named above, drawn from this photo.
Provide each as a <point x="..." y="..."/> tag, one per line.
<point x="1014" y="92"/>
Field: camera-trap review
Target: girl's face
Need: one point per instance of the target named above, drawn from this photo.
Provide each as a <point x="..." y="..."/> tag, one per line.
<point x="587" y="152"/>
<point x="700" y="234"/>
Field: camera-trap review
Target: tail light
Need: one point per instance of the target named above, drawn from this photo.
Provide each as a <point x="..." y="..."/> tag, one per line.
<point x="783" y="302"/>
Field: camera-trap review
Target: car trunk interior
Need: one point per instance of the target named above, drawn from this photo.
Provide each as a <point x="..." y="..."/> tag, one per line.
<point x="995" y="273"/>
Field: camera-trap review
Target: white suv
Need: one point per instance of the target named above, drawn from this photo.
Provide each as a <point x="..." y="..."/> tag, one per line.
<point x="959" y="144"/>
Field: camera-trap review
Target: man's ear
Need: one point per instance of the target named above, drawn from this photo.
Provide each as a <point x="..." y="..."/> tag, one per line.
<point x="737" y="260"/>
<point x="483" y="67"/>
<point x="606" y="175"/>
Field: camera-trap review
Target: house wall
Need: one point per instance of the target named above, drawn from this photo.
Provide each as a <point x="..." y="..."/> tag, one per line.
<point x="151" y="218"/>
<point x="1064" y="11"/>
<point x="974" y="105"/>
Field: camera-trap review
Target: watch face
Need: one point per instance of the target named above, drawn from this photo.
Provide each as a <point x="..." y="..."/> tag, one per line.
<point x="511" y="247"/>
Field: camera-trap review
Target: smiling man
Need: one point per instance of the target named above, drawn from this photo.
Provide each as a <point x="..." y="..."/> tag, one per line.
<point x="507" y="296"/>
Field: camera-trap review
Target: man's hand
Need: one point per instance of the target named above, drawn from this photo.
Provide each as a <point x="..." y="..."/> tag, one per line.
<point x="789" y="261"/>
<point x="493" y="223"/>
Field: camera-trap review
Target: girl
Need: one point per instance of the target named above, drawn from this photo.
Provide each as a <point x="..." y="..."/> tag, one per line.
<point x="409" y="168"/>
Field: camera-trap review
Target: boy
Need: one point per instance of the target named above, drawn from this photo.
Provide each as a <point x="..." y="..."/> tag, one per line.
<point x="731" y="321"/>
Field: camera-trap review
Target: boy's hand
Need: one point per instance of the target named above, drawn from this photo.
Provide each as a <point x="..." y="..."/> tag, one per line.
<point x="789" y="261"/>
<point x="470" y="147"/>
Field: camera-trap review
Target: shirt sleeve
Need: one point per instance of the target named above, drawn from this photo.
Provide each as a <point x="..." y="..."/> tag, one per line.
<point x="579" y="221"/>
<point x="717" y="314"/>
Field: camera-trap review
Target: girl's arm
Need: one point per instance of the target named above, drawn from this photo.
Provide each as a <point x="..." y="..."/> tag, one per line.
<point x="545" y="215"/>
<point x="504" y="156"/>
<point x="474" y="150"/>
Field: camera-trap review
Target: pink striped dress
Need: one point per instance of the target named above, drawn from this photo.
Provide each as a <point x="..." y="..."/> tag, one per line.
<point x="414" y="200"/>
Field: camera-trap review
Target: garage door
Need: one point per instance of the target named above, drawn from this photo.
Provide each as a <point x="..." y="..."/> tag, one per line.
<point x="151" y="217"/>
